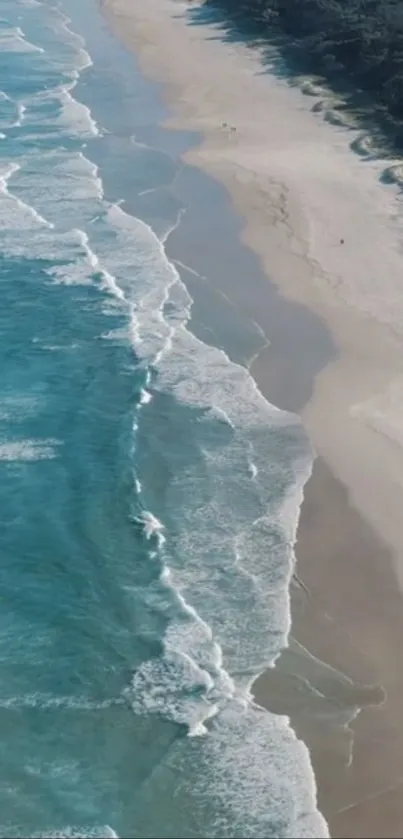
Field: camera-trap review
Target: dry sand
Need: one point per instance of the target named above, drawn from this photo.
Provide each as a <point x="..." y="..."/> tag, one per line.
<point x="300" y="188"/>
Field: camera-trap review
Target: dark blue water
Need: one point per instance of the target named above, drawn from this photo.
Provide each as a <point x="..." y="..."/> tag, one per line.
<point x="149" y="494"/>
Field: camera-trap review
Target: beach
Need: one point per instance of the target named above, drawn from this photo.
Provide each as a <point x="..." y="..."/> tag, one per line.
<point x="299" y="190"/>
<point x="150" y="493"/>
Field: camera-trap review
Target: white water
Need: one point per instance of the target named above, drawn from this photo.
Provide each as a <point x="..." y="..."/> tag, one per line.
<point x="228" y="572"/>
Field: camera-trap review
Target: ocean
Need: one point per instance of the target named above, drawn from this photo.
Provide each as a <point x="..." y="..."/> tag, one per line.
<point x="149" y="493"/>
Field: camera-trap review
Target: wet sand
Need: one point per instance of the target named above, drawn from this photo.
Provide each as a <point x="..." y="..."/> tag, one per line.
<point x="325" y="341"/>
<point x="351" y="617"/>
<point x="348" y="610"/>
<point x="283" y="343"/>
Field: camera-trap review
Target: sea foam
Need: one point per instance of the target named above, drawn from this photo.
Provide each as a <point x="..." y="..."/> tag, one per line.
<point x="222" y="541"/>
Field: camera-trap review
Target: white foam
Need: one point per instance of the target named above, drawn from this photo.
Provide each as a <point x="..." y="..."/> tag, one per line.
<point x="81" y="271"/>
<point x="48" y="702"/>
<point x="75" y="262"/>
<point x="139" y="254"/>
<point x="365" y="145"/>
<point x="261" y="775"/>
<point x="241" y="527"/>
<point x="394" y="174"/>
<point x="254" y="471"/>
<point x="312" y="88"/>
<point x="63" y="185"/>
<point x="14" y="213"/>
<point x="61" y="21"/>
<point x="13" y="40"/>
<point x="217" y="412"/>
<point x="145" y="397"/>
<point x="74" y="38"/>
<point x="166" y="686"/>
<point x="20" y="115"/>
<point x="171" y="227"/>
<point x="152" y="526"/>
<point x="83" y="832"/>
<point x="10" y="113"/>
<point x="18" y="407"/>
<point x="111" y="284"/>
<point x="75" y="116"/>
<point x="6" y="171"/>
<point x="68" y="115"/>
<point x="28" y="450"/>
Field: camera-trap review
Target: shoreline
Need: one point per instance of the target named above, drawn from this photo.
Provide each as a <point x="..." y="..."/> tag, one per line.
<point x="221" y="288"/>
<point x="279" y="232"/>
<point x="279" y="332"/>
<point x="278" y="171"/>
<point x="349" y="616"/>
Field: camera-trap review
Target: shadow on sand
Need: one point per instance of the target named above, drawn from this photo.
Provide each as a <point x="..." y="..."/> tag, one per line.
<point x="336" y="99"/>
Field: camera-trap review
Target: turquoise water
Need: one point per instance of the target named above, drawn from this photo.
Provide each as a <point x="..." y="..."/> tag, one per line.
<point x="149" y="494"/>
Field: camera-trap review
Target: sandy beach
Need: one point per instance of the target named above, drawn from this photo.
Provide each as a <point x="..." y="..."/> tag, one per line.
<point x="299" y="188"/>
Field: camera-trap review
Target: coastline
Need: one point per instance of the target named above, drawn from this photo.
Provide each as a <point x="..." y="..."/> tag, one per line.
<point x="280" y="233"/>
<point x="279" y="174"/>
<point x="325" y="728"/>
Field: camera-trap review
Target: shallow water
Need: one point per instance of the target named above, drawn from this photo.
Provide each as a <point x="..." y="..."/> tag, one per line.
<point x="149" y="493"/>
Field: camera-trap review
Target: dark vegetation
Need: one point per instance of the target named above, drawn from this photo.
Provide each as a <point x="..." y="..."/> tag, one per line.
<point x="358" y="43"/>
